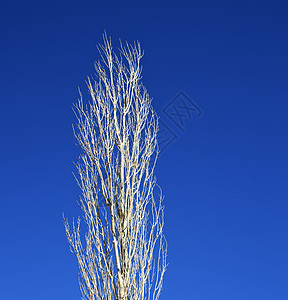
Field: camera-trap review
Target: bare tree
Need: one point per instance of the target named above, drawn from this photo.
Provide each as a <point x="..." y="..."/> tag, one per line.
<point x="125" y="250"/>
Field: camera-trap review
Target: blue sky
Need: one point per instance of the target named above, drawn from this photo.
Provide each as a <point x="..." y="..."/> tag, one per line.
<point x="224" y="175"/>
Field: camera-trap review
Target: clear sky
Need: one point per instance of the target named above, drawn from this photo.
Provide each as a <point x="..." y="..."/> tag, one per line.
<point x="223" y="172"/>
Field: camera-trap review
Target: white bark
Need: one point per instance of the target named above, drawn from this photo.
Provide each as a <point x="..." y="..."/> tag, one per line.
<point x="125" y="253"/>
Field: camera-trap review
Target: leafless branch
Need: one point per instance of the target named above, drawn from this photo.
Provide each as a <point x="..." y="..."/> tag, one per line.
<point x="125" y="251"/>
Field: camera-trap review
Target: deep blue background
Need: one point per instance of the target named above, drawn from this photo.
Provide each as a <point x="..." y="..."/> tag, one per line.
<point x="224" y="178"/>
